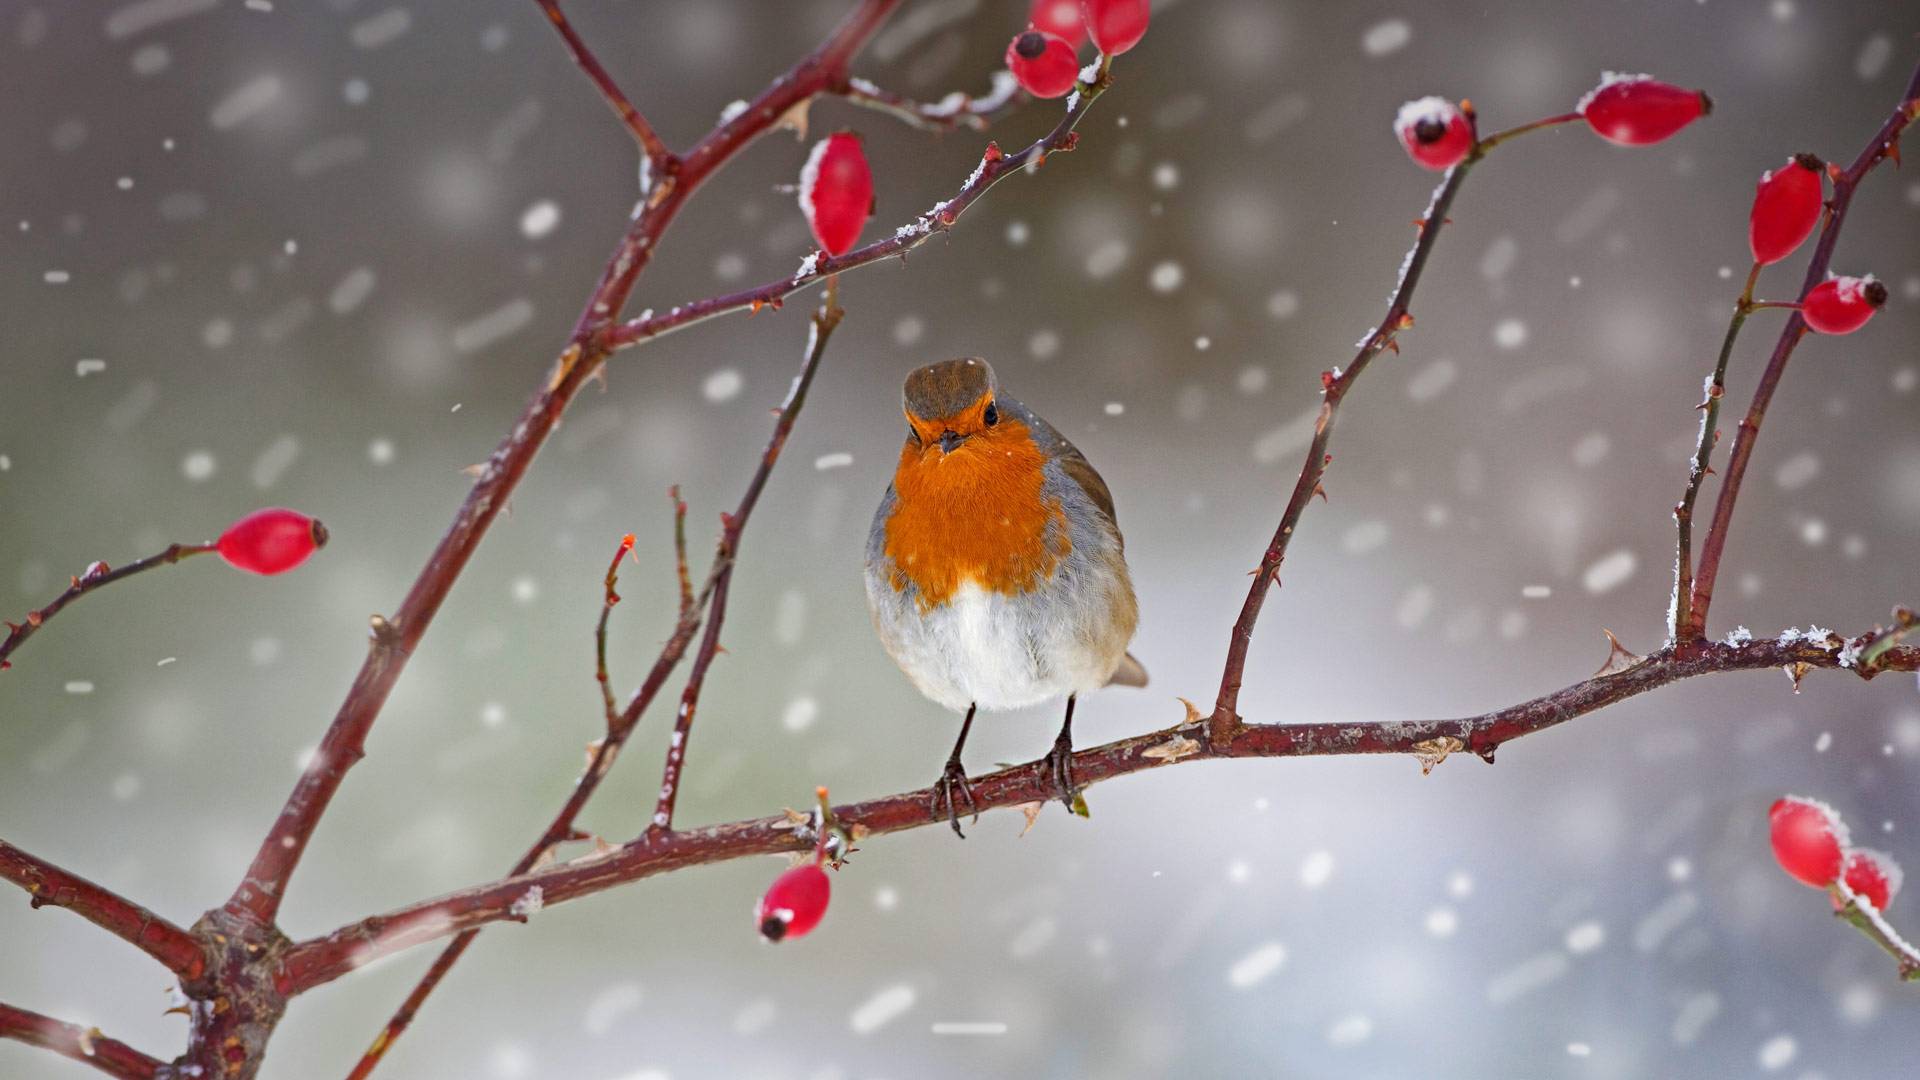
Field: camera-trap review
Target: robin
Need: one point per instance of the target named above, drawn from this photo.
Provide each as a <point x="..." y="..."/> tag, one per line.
<point x="996" y="575"/>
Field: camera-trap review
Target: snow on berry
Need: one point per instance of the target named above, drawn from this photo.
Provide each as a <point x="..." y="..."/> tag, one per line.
<point x="271" y="541"/>
<point x="1786" y="207"/>
<point x="1872" y="875"/>
<point x="1436" y="133"/>
<point x="1639" y="110"/>
<point x="1045" y="65"/>
<point x="794" y="903"/>
<point x="1115" y="25"/>
<point x="1061" y="18"/>
<point x="836" y="191"/>
<point x="1841" y="305"/>
<point x="1807" y="837"/>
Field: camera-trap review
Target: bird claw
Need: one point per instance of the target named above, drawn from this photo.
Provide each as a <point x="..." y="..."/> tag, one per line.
<point x="1059" y="765"/>
<point x="953" y="778"/>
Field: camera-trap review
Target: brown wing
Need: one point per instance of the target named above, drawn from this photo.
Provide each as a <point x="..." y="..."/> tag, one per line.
<point x="1081" y="471"/>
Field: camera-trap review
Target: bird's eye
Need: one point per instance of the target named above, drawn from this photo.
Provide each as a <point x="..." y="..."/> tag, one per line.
<point x="992" y="416"/>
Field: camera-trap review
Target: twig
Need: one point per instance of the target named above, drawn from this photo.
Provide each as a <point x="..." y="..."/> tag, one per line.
<point x="1681" y="626"/>
<point x="320" y="960"/>
<point x="680" y="548"/>
<point x="1879" y="147"/>
<point x="600" y="760"/>
<point x="1870" y="921"/>
<point x="50" y="886"/>
<point x="84" y="1045"/>
<point x="96" y="576"/>
<point x="994" y="166"/>
<point x="257" y="898"/>
<point x="1334" y="386"/>
<point x="611" y="598"/>
<point x="950" y="112"/>
<point x="659" y="158"/>
<point x="824" y="322"/>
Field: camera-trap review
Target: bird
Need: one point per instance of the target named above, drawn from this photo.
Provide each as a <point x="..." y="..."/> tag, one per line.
<point x="996" y="574"/>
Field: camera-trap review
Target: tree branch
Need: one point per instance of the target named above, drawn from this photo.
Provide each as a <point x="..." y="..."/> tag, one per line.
<point x="733" y="525"/>
<point x="1869" y="920"/>
<point x="953" y="111"/>
<point x="1334" y="386"/>
<point x="994" y="166"/>
<point x="320" y="960"/>
<point x="601" y="756"/>
<point x="84" y="1045"/>
<point x="259" y="893"/>
<point x="1882" y="145"/>
<point x="659" y="158"/>
<point x="611" y="598"/>
<point x="50" y="886"/>
<point x="97" y="576"/>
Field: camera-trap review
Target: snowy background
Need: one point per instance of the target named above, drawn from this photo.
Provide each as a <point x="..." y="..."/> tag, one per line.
<point x="325" y="249"/>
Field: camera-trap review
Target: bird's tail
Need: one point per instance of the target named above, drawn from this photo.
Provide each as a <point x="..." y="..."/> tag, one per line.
<point x="1131" y="672"/>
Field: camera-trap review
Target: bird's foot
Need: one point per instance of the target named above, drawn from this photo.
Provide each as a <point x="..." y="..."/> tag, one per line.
<point x="954" y="779"/>
<point x="1058" y="764"/>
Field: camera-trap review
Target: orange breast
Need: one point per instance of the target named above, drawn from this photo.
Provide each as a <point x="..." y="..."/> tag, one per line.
<point x="976" y="514"/>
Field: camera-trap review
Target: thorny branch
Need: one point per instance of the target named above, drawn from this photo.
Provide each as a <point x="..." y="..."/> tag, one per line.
<point x="994" y="166"/>
<point x="48" y="885"/>
<point x="953" y="111"/>
<point x="1334" y="386"/>
<point x="607" y="602"/>
<point x="659" y="158"/>
<point x="96" y="576"/>
<point x="1884" y="144"/>
<point x="84" y="1045"/>
<point x="320" y="960"/>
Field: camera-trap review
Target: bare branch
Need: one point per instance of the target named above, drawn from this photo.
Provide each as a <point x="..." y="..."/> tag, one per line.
<point x="824" y="322"/>
<point x="323" y="959"/>
<point x="660" y="158"/>
<point x="50" y="886"/>
<point x="680" y="548"/>
<point x="1334" y="387"/>
<point x="953" y="111"/>
<point x="84" y="1045"/>
<point x="600" y="630"/>
<point x="1884" y="144"/>
<point x="1869" y="920"/>
<point x="994" y="166"/>
<point x="97" y="576"/>
<point x="259" y="893"/>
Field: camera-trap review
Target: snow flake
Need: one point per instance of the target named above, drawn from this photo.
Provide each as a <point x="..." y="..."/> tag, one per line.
<point x="529" y="903"/>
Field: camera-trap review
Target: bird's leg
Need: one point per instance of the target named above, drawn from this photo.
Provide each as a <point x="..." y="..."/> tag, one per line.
<point x="1059" y="760"/>
<point x="954" y="778"/>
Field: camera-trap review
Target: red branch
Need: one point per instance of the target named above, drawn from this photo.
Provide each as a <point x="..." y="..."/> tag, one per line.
<point x="732" y="526"/>
<point x="84" y="1045"/>
<point x="1884" y="144"/>
<point x="611" y="708"/>
<point x="96" y="576"/>
<point x="953" y="111"/>
<point x="322" y="959"/>
<point x="656" y="151"/>
<point x="259" y="893"/>
<point x="818" y="266"/>
<point x="1334" y="386"/>
<point x="50" y="886"/>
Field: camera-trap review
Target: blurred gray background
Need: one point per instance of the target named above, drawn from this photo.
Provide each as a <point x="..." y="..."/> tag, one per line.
<point x="326" y="249"/>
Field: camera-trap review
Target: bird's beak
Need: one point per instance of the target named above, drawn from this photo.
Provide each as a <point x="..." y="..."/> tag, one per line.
<point x="949" y="440"/>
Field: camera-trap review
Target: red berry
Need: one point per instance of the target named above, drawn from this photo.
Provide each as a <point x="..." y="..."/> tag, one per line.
<point x="1638" y="110"/>
<point x="1116" y="25"/>
<point x="794" y="903"/>
<point x="1841" y="305"/>
<point x="271" y="541"/>
<point x="836" y="191"/>
<point x="1807" y="837"/>
<point x="1436" y="133"/>
<point x="1061" y="18"/>
<point x="1786" y="207"/>
<point x="1044" y="65"/>
<point x="1873" y="876"/>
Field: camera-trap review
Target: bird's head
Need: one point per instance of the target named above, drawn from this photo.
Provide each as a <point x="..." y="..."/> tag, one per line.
<point x="950" y="403"/>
